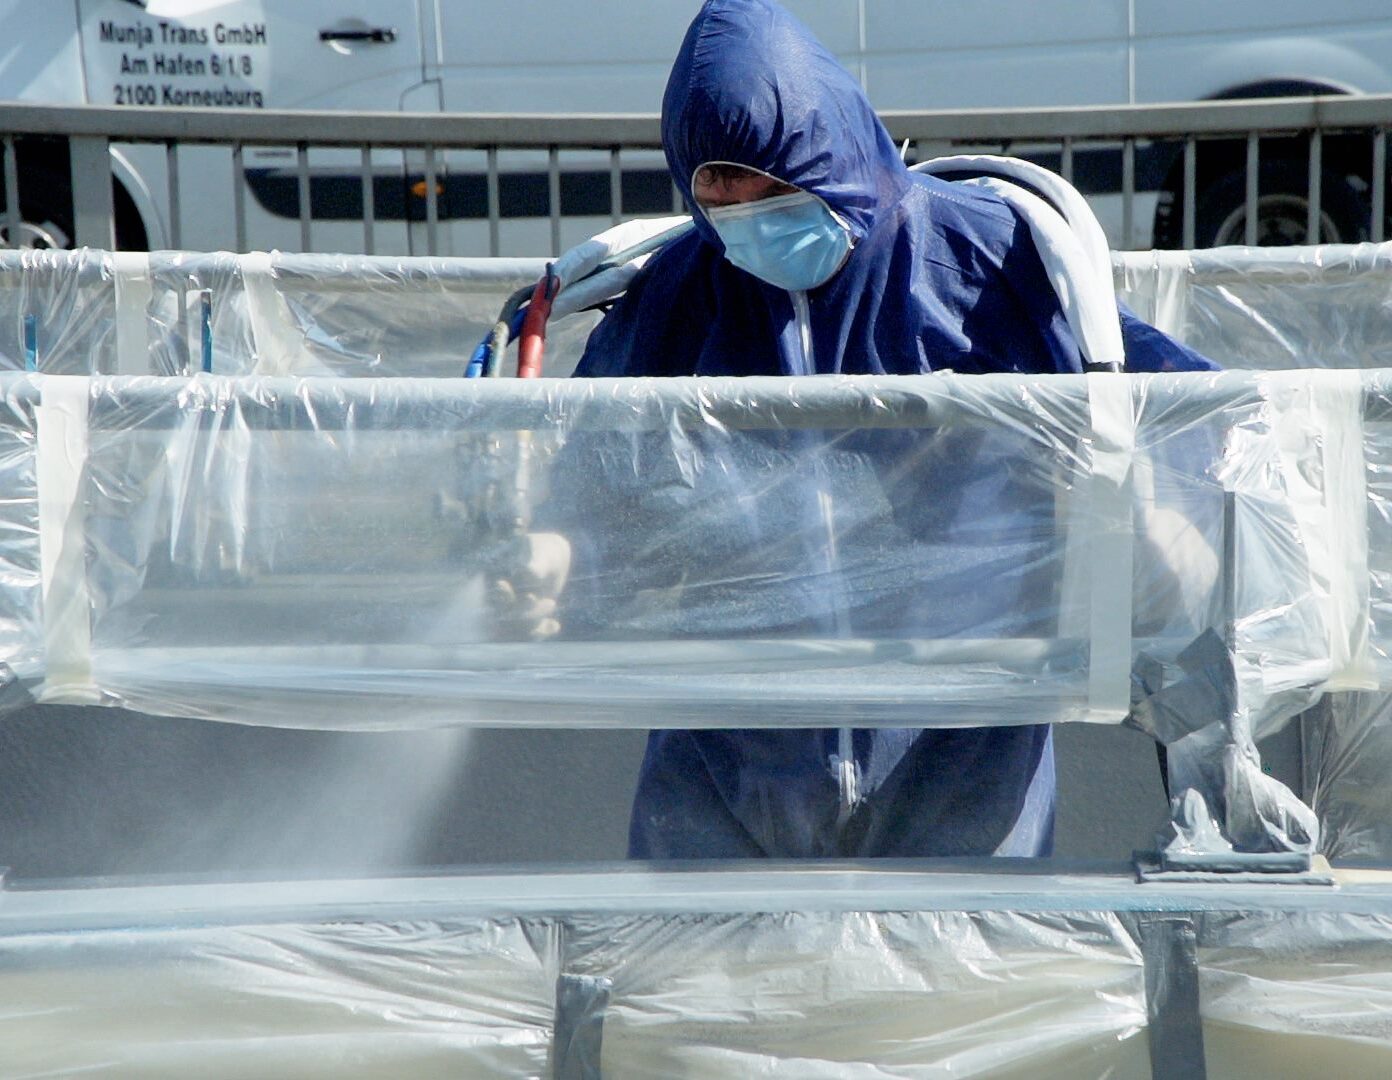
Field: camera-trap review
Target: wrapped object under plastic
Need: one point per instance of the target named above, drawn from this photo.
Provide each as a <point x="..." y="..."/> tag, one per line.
<point x="1270" y="308"/>
<point x="243" y="537"/>
<point x="777" y="972"/>
<point x="355" y="315"/>
<point x="310" y="314"/>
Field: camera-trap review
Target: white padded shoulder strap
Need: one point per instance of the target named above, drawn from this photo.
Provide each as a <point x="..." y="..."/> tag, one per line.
<point x="1070" y="241"/>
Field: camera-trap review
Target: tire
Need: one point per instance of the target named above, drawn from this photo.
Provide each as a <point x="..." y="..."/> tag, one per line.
<point x="46" y="216"/>
<point x="45" y="212"/>
<point x="1220" y="216"/>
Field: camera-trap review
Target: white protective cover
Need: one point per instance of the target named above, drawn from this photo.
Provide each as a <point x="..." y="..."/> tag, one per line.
<point x="99" y="312"/>
<point x="322" y="553"/>
<point x="940" y="550"/>
<point x="270" y="548"/>
<point x="364" y="979"/>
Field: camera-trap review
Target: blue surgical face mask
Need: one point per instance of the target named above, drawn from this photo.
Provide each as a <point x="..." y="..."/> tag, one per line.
<point x="792" y="241"/>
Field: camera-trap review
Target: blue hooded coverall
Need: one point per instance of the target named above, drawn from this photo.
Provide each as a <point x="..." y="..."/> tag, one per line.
<point x="942" y="276"/>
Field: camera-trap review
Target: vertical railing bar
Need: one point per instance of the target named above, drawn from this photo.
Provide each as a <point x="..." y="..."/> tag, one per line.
<point x="553" y="195"/>
<point x="1128" y="191"/>
<point x="1249" y="202"/>
<point x="183" y="344"/>
<point x="495" y="207"/>
<point x="615" y="186"/>
<point x="1312" y="201"/>
<point x="94" y="215"/>
<point x="302" y="187"/>
<point x="239" y="197"/>
<point x="678" y="203"/>
<point x="1066" y="159"/>
<point x="1377" y="231"/>
<point x="1189" y="227"/>
<point x="12" y="220"/>
<point x="171" y="164"/>
<point x="432" y="203"/>
<point x="369" y="203"/>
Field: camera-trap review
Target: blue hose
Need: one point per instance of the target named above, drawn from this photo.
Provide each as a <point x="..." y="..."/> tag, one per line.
<point x="478" y="361"/>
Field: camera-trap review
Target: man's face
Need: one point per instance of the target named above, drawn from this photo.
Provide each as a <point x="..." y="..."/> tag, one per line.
<point x="726" y="187"/>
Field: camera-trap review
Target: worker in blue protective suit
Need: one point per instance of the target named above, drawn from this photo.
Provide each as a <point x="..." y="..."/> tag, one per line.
<point x="817" y="251"/>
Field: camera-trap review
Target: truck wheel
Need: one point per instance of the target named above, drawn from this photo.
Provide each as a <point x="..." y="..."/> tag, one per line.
<point x="45" y="214"/>
<point x="1282" y="208"/>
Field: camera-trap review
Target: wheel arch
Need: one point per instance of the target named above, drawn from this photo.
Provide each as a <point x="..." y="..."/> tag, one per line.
<point x="1223" y="156"/>
<point x="131" y="195"/>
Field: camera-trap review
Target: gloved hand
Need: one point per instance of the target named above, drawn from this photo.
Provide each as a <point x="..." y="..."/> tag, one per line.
<point x="522" y="595"/>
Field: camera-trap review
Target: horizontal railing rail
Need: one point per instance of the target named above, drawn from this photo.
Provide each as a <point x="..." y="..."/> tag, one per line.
<point x="1323" y="158"/>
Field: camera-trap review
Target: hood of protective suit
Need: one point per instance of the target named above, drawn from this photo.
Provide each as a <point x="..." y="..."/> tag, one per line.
<point x="942" y="275"/>
<point x="752" y="86"/>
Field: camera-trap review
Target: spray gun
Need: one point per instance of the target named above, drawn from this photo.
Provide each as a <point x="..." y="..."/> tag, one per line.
<point x="523" y="571"/>
<point x="501" y="473"/>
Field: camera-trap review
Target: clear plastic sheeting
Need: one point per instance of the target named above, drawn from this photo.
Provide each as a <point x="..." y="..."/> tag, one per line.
<point x="419" y="999"/>
<point x="1296" y="994"/>
<point x="841" y="972"/>
<point x="868" y="994"/>
<point x="1300" y="308"/>
<point x="218" y="555"/>
<point x="166" y="313"/>
<point x="934" y="550"/>
<point x="1347" y="744"/>
<point x="1268" y="308"/>
<point x="93" y="312"/>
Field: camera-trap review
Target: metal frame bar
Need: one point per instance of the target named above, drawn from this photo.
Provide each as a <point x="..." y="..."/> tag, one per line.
<point x="553" y="195"/>
<point x="171" y="165"/>
<point x="1316" y="163"/>
<point x="12" y="218"/>
<point x="1065" y="127"/>
<point x="239" y="197"/>
<point x="1253" y="196"/>
<point x="369" y="202"/>
<point x="1128" y="191"/>
<point x="1379" y="210"/>
<point x="94" y="219"/>
<point x="615" y="185"/>
<point x="585" y="132"/>
<point x="432" y="202"/>
<point x="744" y="403"/>
<point x="1189" y="226"/>
<point x="302" y="190"/>
<point x="495" y="209"/>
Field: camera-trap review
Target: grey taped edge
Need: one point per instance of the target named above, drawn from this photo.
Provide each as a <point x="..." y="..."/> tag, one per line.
<point x="581" y="1001"/>
<point x="1169" y="949"/>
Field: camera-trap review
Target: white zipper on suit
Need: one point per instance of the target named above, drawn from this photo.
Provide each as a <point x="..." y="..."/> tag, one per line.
<point x="847" y="777"/>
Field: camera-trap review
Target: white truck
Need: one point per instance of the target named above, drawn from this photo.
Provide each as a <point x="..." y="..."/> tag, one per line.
<point x="613" y="55"/>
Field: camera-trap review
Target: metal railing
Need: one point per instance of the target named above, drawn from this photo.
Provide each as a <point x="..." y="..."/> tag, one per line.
<point x="1176" y="150"/>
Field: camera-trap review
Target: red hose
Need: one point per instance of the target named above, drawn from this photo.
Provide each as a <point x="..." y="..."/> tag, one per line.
<point x="531" y="342"/>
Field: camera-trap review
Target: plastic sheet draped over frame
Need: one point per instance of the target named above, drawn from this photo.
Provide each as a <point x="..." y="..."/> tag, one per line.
<point x="897" y="550"/>
<point x="1289" y="467"/>
<point x="419" y="998"/>
<point x="357" y="316"/>
<point x="349" y="316"/>
<point x="901" y="974"/>
<point x="1268" y="308"/>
